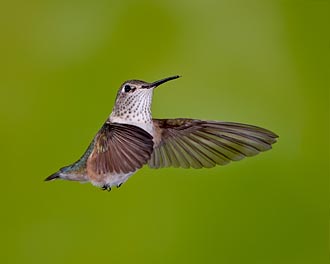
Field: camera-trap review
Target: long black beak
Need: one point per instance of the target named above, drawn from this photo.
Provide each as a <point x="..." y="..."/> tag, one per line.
<point x="157" y="83"/>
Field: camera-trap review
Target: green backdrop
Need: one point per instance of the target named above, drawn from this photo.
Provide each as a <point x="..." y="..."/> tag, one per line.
<point x="259" y="62"/>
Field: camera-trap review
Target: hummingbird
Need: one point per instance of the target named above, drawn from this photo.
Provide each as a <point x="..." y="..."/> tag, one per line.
<point x="130" y="138"/>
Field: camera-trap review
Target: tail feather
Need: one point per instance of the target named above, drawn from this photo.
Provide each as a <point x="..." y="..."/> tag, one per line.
<point x="54" y="176"/>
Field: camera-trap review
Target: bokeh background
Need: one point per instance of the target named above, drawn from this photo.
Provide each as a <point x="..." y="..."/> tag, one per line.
<point x="259" y="62"/>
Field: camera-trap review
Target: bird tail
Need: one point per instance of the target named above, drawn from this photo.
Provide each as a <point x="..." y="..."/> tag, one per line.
<point x="54" y="176"/>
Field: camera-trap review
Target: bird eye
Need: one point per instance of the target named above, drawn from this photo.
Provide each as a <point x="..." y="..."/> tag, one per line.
<point x="127" y="88"/>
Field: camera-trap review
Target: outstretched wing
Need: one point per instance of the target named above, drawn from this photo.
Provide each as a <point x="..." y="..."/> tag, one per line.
<point x="195" y="143"/>
<point x="119" y="148"/>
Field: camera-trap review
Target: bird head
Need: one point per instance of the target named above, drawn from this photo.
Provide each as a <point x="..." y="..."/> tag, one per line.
<point x="133" y="101"/>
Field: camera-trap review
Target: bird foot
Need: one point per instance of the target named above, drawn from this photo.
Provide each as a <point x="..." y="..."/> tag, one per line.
<point x="106" y="188"/>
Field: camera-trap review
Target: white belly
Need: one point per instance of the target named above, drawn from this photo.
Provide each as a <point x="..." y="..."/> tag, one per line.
<point x="113" y="179"/>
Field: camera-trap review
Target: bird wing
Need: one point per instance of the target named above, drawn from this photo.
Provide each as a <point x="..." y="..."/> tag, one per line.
<point x="119" y="148"/>
<point x="195" y="143"/>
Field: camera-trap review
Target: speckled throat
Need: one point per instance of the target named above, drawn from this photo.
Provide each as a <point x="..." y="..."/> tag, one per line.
<point x="133" y="108"/>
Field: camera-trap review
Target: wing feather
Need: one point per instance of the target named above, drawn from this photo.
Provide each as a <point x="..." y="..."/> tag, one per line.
<point x="119" y="148"/>
<point x="195" y="143"/>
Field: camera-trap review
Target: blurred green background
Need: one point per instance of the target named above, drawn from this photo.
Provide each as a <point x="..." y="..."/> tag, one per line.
<point x="259" y="62"/>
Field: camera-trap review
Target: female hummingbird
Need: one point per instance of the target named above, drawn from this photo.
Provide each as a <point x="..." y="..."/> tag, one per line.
<point x="131" y="138"/>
